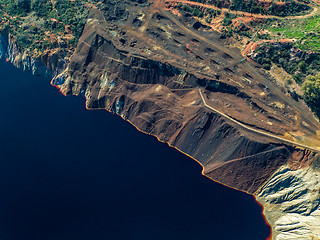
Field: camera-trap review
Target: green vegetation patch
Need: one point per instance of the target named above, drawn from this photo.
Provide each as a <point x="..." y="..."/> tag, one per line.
<point x="311" y="89"/>
<point x="304" y="66"/>
<point x="288" y="8"/>
<point x="306" y="32"/>
<point x="41" y="25"/>
<point x="276" y="8"/>
<point x="295" y="61"/>
<point x="207" y="14"/>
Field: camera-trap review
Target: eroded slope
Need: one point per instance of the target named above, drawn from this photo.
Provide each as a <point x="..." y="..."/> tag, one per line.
<point x="149" y="67"/>
<point x="175" y="78"/>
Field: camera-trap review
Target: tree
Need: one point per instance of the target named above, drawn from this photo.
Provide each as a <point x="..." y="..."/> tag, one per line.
<point x="23" y="5"/>
<point x="311" y="89"/>
<point x="303" y="66"/>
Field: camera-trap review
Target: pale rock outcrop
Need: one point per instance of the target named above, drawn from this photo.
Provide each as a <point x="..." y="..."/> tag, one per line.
<point x="291" y="203"/>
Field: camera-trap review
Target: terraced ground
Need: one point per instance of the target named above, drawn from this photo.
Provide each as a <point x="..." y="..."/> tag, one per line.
<point x="211" y="82"/>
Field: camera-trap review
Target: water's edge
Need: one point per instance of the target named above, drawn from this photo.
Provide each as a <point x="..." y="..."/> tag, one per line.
<point x="54" y="72"/>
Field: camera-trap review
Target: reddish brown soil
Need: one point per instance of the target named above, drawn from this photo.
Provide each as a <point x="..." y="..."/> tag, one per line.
<point x="148" y="69"/>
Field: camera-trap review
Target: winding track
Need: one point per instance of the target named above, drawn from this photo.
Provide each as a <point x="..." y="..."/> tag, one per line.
<point x="306" y="115"/>
<point x="252" y="129"/>
<point x="238" y="57"/>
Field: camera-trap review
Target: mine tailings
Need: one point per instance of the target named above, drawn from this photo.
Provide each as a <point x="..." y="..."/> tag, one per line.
<point x="74" y="173"/>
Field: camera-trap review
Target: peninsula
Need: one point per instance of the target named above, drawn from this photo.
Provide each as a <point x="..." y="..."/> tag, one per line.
<point x="232" y="84"/>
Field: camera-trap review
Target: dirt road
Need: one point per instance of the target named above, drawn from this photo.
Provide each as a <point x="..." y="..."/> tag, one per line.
<point x="252" y="129"/>
<point x="237" y="57"/>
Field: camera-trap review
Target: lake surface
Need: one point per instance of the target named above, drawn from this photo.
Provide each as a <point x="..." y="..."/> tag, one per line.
<point x="67" y="173"/>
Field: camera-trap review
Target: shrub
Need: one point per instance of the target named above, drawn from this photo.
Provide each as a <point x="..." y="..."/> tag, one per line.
<point x="311" y="89"/>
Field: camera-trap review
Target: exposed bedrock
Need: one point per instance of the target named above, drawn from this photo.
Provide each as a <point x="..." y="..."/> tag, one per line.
<point x="159" y="95"/>
<point x="163" y="100"/>
<point x="291" y="203"/>
<point x="47" y="66"/>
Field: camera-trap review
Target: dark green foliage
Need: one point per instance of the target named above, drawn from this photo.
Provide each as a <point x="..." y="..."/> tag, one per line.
<point x="266" y="66"/>
<point x="291" y="7"/>
<point x="251" y="6"/>
<point x="23" y="41"/>
<point x="227" y="19"/>
<point x="296" y="62"/>
<point x="52" y="18"/>
<point x="16" y="7"/>
<point x="41" y="7"/>
<point x="24" y="5"/>
<point x="208" y="14"/>
<point x="195" y="11"/>
<point x="254" y="6"/>
<point x="226" y="32"/>
<point x="311" y="89"/>
<point x="263" y="36"/>
<point x="72" y="13"/>
<point x="302" y="65"/>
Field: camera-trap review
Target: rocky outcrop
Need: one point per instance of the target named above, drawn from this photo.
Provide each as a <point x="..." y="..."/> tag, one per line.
<point x="162" y="100"/>
<point x="291" y="201"/>
<point x="48" y="65"/>
<point x="155" y="85"/>
<point x="3" y="45"/>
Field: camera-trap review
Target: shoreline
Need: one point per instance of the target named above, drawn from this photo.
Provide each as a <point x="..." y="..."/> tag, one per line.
<point x="192" y="158"/>
<point x="11" y="57"/>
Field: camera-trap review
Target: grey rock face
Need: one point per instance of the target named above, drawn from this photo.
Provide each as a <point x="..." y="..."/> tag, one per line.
<point x="51" y="67"/>
<point x="291" y="203"/>
<point x="3" y="45"/>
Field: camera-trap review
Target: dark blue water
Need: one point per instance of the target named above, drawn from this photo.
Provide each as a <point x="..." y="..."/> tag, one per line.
<point x="67" y="173"/>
